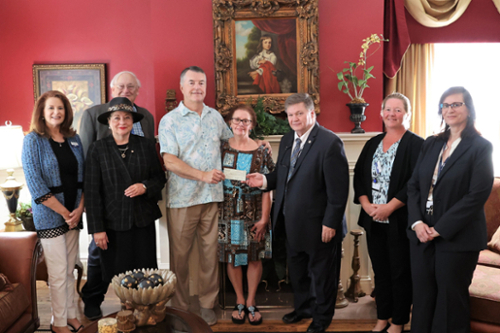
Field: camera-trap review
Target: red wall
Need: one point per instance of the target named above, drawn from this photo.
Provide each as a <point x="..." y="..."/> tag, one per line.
<point x="156" y="39"/>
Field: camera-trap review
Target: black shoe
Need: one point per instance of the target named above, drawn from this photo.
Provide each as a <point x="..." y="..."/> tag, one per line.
<point x="385" y="329"/>
<point x="293" y="317"/>
<point x="92" y="312"/>
<point x="316" y="328"/>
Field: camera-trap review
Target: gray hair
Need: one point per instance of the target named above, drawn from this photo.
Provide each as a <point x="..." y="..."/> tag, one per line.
<point x="300" y="98"/>
<point x="195" y="69"/>
<point x="112" y="84"/>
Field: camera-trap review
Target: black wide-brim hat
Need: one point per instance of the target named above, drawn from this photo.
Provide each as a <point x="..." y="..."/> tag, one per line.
<point x="120" y="104"/>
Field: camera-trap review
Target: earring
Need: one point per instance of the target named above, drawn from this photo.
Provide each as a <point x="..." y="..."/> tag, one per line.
<point x="43" y="118"/>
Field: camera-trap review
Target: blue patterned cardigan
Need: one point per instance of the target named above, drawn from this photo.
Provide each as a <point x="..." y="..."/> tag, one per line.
<point x="41" y="171"/>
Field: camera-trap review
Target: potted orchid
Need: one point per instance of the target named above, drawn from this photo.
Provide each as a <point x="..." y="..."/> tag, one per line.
<point x="354" y="86"/>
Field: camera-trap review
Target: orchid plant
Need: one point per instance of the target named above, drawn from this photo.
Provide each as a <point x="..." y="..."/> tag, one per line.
<point x="349" y="83"/>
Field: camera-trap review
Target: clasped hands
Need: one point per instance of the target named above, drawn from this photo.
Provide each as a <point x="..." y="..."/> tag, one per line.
<point x="425" y="233"/>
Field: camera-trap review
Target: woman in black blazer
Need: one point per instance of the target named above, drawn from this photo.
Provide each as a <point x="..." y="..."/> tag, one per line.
<point x="123" y="182"/>
<point x="447" y="225"/>
<point x="380" y="177"/>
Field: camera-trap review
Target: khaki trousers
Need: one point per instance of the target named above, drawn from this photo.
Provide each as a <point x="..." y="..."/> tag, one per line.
<point x="184" y="225"/>
<point x="60" y="256"/>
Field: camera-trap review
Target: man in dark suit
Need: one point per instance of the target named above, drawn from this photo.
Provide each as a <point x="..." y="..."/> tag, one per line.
<point x="311" y="180"/>
<point x="124" y="84"/>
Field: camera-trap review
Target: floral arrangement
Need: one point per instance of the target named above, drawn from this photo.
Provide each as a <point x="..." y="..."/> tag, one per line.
<point x="349" y="83"/>
<point x="24" y="211"/>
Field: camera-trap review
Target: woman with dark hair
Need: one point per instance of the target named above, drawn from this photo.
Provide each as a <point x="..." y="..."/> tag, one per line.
<point x="244" y="224"/>
<point x="123" y="182"/>
<point x="447" y="226"/>
<point x="53" y="166"/>
<point x="380" y="177"/>
<point x="263" y="64"/>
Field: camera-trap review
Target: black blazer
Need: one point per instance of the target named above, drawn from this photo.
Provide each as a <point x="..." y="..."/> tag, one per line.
<point x="317" y="192"/>
<point x="461" y="190"/>
<point x="91" y="130"/>
<point x="107" y="177"/>
<point x="402" y="169"/>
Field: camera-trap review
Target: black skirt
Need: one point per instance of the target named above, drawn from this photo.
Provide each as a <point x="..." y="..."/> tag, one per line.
<point x="129" y="250"/>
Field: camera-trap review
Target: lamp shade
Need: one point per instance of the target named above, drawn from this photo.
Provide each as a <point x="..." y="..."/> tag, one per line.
<point x="11" y="145"/>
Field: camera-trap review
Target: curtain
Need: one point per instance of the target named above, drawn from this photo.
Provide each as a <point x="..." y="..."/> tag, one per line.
<point x="287" y="39"/>
<point x="411" y="81"/>
<point x="497" y="4"/>
<point x="396" y="30"/>
<point x="437" y="13"/>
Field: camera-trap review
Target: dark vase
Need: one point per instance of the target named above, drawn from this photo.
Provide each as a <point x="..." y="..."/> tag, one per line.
<point x="357" y="116"/>
<point x="28" y="223"/>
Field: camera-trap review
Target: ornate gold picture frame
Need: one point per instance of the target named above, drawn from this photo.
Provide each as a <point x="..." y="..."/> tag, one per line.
<point x="83" y="84"/>
<point x="265" y="48"/>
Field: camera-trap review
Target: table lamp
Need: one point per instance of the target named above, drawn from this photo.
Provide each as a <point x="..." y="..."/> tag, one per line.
<point x="11" y="144"/>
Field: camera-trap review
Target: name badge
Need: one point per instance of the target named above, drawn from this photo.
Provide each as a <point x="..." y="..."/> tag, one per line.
<point x="376" y="185"/>
<point x="233" y="174"/>
<point x="73" y="143"/>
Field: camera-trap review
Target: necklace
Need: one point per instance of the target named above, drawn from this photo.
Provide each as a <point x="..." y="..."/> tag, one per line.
<point x="123" y="151"/>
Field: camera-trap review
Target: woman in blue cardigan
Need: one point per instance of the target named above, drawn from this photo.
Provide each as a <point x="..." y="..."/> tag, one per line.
<point x="53" y="166"/>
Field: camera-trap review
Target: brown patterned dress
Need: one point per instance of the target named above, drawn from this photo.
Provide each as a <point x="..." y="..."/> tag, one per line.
<point x="242" y="208"/>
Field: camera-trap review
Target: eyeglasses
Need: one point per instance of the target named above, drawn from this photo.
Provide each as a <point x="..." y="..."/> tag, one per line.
<point x="245" y="122"/>
<point x="446" y="106"/>
<point x="122" y="87"/>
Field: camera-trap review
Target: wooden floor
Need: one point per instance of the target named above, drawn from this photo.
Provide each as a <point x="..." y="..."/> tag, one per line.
<point x="355" y="317"/>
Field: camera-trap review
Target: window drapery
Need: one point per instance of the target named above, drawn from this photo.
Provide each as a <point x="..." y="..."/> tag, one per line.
<point x="436" y="13"/>
<point x="411" y="81"/>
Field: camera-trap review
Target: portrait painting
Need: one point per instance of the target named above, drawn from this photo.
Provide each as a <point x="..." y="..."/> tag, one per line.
<point x="266" y="56"/>
<point x="265" y="51"/>
<point x="83" y="84"/>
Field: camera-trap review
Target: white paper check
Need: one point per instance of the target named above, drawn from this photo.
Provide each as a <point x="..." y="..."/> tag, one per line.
<point x="233" y="174"/>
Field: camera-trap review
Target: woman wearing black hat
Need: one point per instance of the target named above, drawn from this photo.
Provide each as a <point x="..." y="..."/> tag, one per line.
<point x="123" y="182"/>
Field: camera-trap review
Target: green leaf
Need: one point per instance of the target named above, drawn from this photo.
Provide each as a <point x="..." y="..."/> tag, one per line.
<point x="369" y="69"/>
<point x="355" y="80"/>
<point x="340" y="76"/>
<point x="341" y="85"/>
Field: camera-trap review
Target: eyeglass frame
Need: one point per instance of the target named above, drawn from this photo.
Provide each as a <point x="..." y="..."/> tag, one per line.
<point x="245" y="122"/>
<point x="446" y="106"/>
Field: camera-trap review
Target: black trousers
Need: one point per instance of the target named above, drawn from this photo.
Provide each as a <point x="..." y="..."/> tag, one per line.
<point x="94" y="290"/>
<point x="441" y="283"/>
<point x="390" y="258"/>
<point x="315" y="277"/>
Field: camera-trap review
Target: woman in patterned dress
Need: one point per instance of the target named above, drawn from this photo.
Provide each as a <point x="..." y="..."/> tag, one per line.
<point x="53" y="165"/>
<point x="244" y="222"/>
<point x="380" y="183"/>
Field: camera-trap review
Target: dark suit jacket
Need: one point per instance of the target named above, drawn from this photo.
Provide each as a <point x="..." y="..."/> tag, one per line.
<point x="107" y="177"/>
<point x="402" y="169"/>
<point x="462" y="188"/>
<point x="91" y="130"/>
<point x="316" y="194"/>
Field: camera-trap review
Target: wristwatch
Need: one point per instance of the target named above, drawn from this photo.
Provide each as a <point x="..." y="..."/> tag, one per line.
<point x="145" y="188"/>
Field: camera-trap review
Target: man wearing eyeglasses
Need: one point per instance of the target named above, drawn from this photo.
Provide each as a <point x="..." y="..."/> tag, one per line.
<point x="124" y="84"/>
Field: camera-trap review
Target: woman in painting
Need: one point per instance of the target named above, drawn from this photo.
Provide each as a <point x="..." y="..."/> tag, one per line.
<point x="123" y="182"/>
<point x="381" y="175"/>
<point x="53" y="165"/>
<point x="264" y="67"/>
<point x="446" y="222"/>
<point x="244" y="237"/>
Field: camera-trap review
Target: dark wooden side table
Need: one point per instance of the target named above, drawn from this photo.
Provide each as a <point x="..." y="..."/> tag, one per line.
<point x="180" y="319"/>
